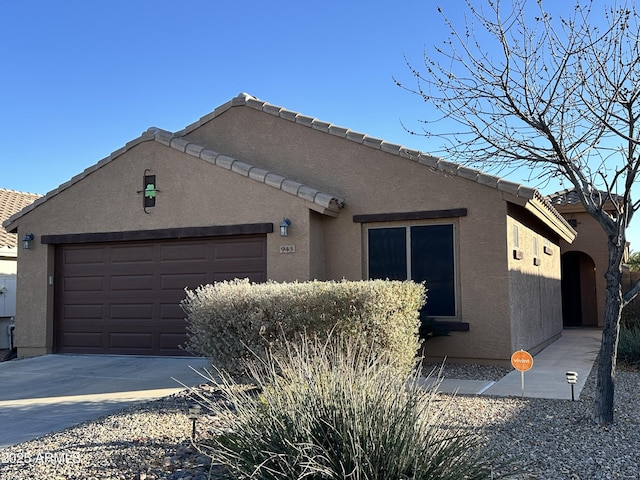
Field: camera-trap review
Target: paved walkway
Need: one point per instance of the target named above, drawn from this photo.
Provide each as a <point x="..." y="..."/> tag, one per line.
<point x="575" y="350"/>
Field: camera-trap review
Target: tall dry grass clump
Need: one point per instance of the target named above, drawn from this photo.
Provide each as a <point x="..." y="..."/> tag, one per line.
<point x="339" y="410"/>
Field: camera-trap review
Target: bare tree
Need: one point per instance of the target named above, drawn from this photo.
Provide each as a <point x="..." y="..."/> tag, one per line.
<point x="559" y="95"/>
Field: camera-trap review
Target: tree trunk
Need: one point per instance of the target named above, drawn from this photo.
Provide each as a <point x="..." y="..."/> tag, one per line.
<point x="603" y="408"/>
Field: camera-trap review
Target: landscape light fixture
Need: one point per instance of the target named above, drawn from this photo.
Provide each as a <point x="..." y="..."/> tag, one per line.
<point x="284" y="227"/>
<point x="572" y="379"/>
<point x="194" y="414"/>
<point x="26" y="241"/>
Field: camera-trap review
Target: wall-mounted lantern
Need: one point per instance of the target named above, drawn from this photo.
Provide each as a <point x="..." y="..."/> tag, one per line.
<point x="26" y="241"/>
<point x="284" y="227"/>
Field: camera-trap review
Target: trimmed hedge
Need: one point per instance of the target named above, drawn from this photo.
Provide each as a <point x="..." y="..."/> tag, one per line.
<point x="231" y="321"/>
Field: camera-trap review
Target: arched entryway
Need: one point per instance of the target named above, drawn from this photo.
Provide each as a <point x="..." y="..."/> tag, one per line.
<point x="579" y="294"/>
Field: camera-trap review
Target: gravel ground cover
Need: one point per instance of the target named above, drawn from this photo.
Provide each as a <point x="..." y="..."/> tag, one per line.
<point x="545" y="439"/>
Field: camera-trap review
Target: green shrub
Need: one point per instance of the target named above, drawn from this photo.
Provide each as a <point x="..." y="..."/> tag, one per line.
<point x="228" y="320"/>
<point x="631" y="314"/>
<point x="338" y="410"/>
<point x="629" y="345"/>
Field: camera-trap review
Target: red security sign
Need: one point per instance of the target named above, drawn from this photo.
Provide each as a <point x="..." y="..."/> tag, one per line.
<point x="522" y="360"/>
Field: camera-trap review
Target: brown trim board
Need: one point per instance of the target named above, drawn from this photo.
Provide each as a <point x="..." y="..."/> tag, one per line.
<point x="422" y="215"/>
<point x="162" y="234"/>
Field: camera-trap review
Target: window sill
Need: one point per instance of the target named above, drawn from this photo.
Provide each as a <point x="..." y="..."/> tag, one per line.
<point x="453" y="326"/>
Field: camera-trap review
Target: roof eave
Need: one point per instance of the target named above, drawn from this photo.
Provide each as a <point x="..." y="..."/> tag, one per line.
<point x="558" y="224"/>
<point x="317" y="200"/>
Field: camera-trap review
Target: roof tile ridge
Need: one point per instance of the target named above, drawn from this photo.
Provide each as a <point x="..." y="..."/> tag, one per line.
<point x="288" y="185"/>
<point x="241" y="99"/>
<point x="461" y="170"/>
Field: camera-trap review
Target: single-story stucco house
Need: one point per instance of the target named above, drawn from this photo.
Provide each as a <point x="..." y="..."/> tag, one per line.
<point x="11" y="202"/>
<point x="116" y="245"/>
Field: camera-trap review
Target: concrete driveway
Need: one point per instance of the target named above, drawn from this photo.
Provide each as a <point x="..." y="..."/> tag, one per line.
<point x="47" y="394"/>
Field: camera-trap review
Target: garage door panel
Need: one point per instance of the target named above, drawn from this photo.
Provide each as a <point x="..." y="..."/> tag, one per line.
<point x="179" y="281"/>
<point x="84" y="284"/>
<point x="171" y="311"/>
<point x="84" y="256"/>
<point x="172" y="342"/>
<point x="124" y="298"/>
<point x="83" y="340"/>
<point x="132" y="254"/>
<point x="131" y="341"/>
<point x="193" y="252"/>
<point x="131" y="283"/>
<point x="84" y="312"/>
<point x="132" y="312"/>
<point x="85" y="325"/>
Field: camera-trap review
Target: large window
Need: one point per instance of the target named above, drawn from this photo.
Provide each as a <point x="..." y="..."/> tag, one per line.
<point x="420" y="253"/>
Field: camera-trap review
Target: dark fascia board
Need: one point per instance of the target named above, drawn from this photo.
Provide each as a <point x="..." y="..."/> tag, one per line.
<point x="400" y="216"/>
<point x="162" y="234"/>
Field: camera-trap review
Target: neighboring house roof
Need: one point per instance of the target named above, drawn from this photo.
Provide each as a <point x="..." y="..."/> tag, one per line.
<point x="12" y="202"/>
<point x="327" y="203"/>
<point x="570" y="196"/>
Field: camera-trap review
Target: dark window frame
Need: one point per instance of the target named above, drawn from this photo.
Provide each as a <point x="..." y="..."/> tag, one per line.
<point x="408" y="253"/>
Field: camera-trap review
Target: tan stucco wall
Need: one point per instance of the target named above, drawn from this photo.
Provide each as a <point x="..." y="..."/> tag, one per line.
<point x="317" y="259"/>
<point x="534" y="286"/>
<point x="195" y="193"/>
<point x="591" y="240"/>
<point x="34" y="321"/>
<point x="372" y="181"/>
<point x="192" y="193"/>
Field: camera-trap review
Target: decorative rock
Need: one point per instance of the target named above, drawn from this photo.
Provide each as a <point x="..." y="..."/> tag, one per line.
<point x="550" y="439"/>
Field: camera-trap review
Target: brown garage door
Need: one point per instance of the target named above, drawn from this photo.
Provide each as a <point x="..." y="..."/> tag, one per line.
<point x="123" y="297"/>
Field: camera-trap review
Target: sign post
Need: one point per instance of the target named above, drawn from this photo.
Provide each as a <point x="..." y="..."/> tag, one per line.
<point x="522" y="361"/>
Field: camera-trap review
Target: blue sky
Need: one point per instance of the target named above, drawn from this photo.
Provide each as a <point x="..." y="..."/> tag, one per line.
<point x="82" y="78"/>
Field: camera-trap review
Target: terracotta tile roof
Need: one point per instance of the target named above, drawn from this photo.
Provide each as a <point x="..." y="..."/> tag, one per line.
<point x="11" y="202"/>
